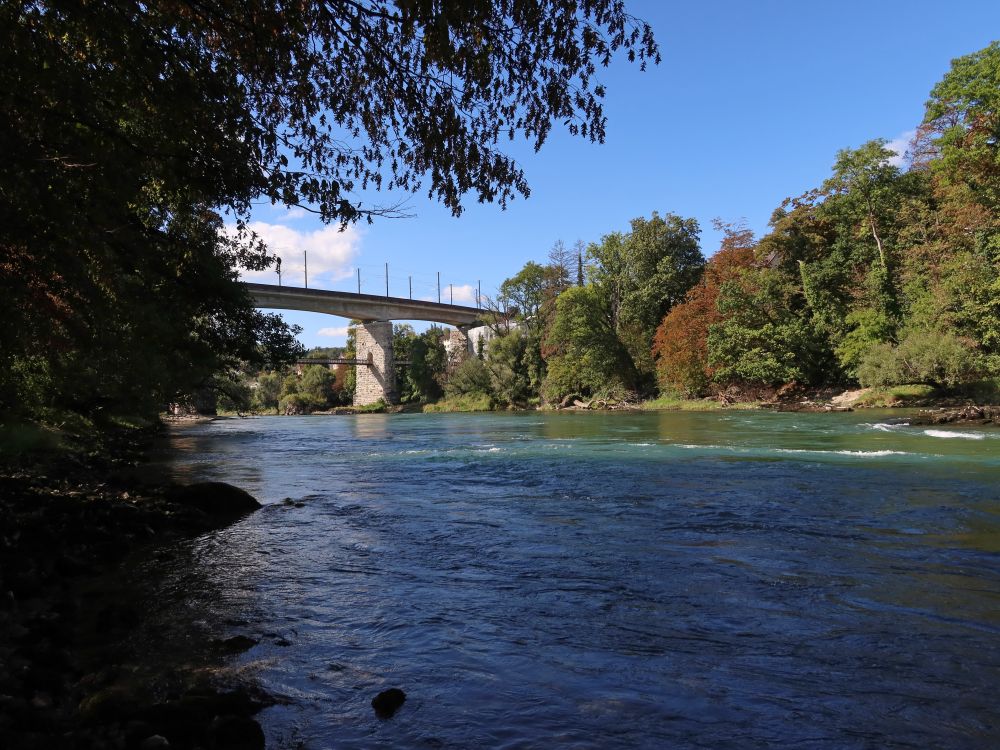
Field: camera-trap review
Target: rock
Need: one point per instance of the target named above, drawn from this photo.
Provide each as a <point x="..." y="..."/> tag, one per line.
<point x="115" y="703"/>
<point x="388" y="702"/>
<point x="156" y="742"/>
<point x="235" y="733"/>
<point x="236" y="644"/>
<point x="215" y="498"/>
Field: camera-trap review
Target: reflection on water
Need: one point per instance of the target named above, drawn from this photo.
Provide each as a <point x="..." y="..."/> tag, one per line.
<point x="599" y="580"/>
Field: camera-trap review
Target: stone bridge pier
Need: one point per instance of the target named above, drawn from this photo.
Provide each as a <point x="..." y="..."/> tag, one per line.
<point x="377" y="380"/>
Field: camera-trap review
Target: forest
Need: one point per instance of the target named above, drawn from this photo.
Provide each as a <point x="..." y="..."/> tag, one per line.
<point x="885" y="274"/>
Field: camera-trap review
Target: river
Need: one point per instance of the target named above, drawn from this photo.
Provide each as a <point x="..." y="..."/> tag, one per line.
<point x="596" y="580"/>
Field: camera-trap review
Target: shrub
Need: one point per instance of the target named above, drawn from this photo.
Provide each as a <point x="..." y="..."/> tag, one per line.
<point x="469" y="378"/>
<point x="926" y="356"/>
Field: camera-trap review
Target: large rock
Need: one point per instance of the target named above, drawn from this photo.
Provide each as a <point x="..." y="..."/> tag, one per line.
<point x="215" y="498"/>
<point x="388" y="702"/>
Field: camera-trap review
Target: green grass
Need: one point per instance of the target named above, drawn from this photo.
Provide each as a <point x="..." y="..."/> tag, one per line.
<point x="673" y="403"/>
<point x="467" y="402"/>
<point x="377" y="408"/>
<point x="895" y="395"/>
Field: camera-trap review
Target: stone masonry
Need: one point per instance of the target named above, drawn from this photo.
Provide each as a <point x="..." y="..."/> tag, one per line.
<point x="376" y="380"/>
<point x="456" y="345"/>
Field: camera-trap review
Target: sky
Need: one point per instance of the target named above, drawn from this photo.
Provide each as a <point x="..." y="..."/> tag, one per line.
<point x="749" y="106"/>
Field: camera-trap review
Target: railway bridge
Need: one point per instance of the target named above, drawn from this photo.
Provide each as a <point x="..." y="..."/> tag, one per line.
<point x="376" y="370"/>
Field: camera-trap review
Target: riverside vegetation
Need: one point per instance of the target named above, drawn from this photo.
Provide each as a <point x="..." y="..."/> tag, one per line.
<point x="886" y="275"/>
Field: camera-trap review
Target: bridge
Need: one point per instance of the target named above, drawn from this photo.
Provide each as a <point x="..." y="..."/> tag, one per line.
<point x="376" y="381"/>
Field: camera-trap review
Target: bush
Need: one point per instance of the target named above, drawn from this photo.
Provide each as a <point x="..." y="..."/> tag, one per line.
<point x="296" y="403"/>
<point x="470" y="378"/>
<point x="510" y="381"/>
<point x="466" y="402"/>
<point x="931" y="357"/>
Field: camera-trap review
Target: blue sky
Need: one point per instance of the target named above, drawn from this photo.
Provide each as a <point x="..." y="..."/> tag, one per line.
<point x="749" y="106"/>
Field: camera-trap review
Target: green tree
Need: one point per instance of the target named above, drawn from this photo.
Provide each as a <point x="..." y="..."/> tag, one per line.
<point x="316" y="385"/>
<point x="129" y="126"/>
<point x="469" y="378"/>
<point x="509" y="369"/>
<point x="267" y="394"/>
<point x="762" y="338"/>
<point x="428" y="363"/>
<point x="525" y="293"/>
<point x="582" y="351"/>
<point x="644" y="273"/>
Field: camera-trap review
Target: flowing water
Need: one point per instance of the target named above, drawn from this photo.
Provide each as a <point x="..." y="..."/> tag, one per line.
<point x="735" y="579"/>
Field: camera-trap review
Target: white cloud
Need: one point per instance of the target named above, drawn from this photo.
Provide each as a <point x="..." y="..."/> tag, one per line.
<point x="899" y="145"/>
<point x="329" y="252"/>
<point x="293" y="213"/>
<point x="335" y="332"/>
<point x="462" y="293"/>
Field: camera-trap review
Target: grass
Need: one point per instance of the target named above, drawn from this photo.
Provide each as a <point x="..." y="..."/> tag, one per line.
<point x="673" y="403"/>
<point x="896" y="395"/>
<point x="466" y="402"/>
<point x="377" y="408"/>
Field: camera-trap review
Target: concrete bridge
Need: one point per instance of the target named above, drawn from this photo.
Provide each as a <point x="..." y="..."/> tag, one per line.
<point x="376" y="380"/>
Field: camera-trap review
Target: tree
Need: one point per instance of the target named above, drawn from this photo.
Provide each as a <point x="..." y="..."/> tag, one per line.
<point x="959" y="142"/>
<point x="562" y="267"/>
<point x="762" y="338"/>
<point x="642" y="275"/>
<point x="582" y="352"/>
<point x="469" y="378"/>
<point x="128" y="126"/>
<point x="680" y="346"/>
<point x="509" y="370"/>
<point x="316" y="385"/>
<point x="524" y="292"/>
<point x="268" y="391"/>
<point x="428" y="363"/>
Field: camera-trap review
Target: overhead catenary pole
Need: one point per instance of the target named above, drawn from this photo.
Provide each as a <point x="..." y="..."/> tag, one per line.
<point x="359" y="281"/>
<point x="278" y="264"/>
<point x="386" y="279"/>
<point x="305" y="266"/>
<point x="479" y="293"/>
<point x="439" y="287"/>
<point x="411" y="287"/>
<point x="451" y="295"/>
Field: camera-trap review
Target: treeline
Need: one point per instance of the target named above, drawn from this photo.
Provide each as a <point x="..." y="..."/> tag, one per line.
<point x="881" y="275"/>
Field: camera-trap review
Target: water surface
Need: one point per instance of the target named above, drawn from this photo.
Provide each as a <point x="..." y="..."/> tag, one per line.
<point x="733" y="579"/>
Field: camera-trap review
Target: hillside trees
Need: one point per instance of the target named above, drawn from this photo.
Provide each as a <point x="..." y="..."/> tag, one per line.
<point x="129" y="129"/>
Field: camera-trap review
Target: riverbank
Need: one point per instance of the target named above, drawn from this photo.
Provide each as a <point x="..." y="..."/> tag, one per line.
<point x="949" y="407"/>
<point x="70" y="674"/>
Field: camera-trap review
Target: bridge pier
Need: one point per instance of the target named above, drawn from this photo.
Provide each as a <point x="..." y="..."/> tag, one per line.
<point x="376" y="381"/>
<point x="457" y="345"/>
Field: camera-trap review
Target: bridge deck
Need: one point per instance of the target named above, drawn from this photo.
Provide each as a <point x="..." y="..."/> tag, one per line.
<point x="361" y="306"/>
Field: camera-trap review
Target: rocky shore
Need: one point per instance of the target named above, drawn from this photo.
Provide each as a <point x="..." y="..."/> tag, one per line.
<point x="982" y="415"/>
<point x="66" y="679"/>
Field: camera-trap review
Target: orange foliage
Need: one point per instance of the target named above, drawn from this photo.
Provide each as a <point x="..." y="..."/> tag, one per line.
<point x="681" y="342"/>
